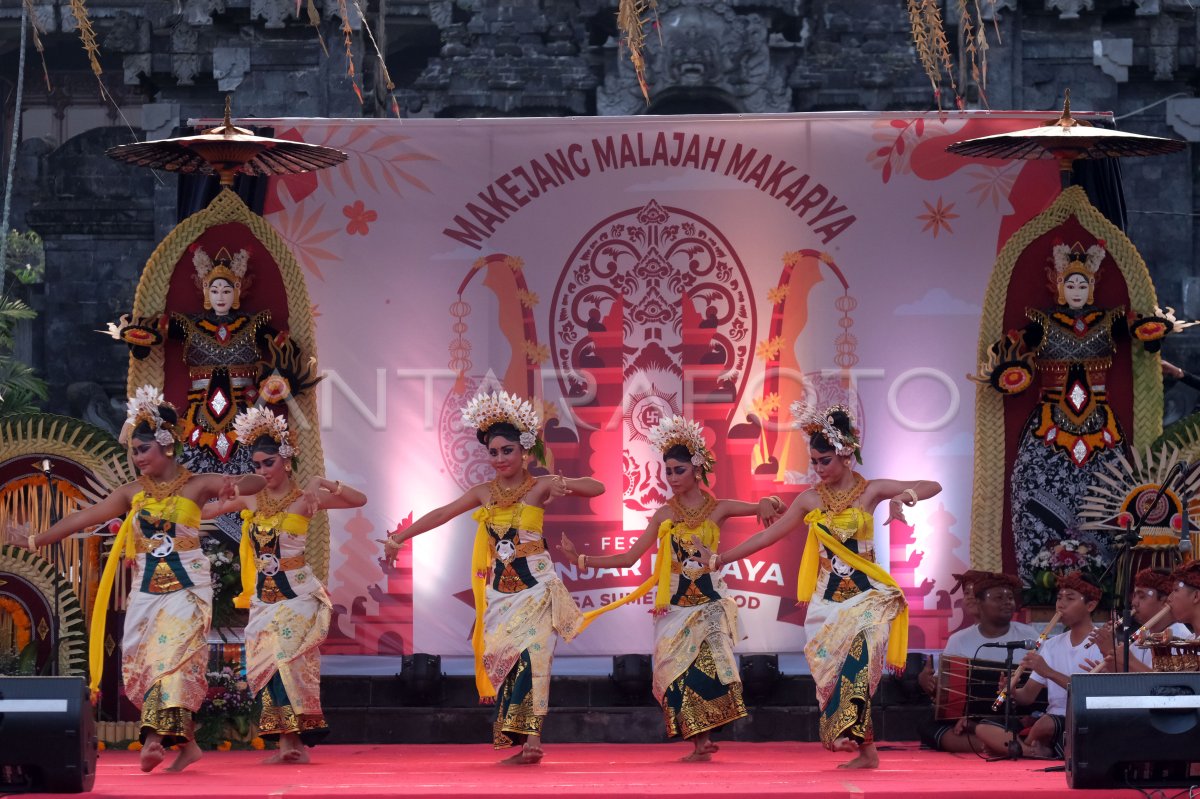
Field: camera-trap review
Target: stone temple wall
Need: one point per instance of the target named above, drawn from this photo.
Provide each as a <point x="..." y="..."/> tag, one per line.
<point x="167" y="61"/>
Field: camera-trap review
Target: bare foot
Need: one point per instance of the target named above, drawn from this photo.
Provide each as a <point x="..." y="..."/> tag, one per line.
<point x="530" y="754"/>
<point x="868" y="757"/>
<point x="845" y="745"/>
<point x="188" y="755"/>
<point x="272" y="758"/>
<point x="295" y="756"/>
<point x="152" y="754"/>
<point x="703" y="751"/>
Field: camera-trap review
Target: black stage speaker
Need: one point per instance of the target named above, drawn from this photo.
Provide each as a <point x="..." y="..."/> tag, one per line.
<point x="47" y="735"/>
<point x="1138" y="729"/>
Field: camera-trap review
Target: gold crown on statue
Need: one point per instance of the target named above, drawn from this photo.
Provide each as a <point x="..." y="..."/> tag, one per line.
<point x="222" y="266"/>
<point x="812" y="422"/>
<point x="491" y="408"/>
<point x="253" y="423"/>
<point x="1075" y="260"/>
<point x="678" y="430"/>
<point x="146" y="406"/>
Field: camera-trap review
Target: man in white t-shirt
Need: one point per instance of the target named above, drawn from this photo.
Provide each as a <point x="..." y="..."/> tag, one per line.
<point x="1051" y="668"/>
<point x="1151" y="587"/>
<point x="995" y="602"/>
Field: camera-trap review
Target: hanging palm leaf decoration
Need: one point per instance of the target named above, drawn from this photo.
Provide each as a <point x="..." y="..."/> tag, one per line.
<point x="632" y="16"/>
<point x="933" y="46"/>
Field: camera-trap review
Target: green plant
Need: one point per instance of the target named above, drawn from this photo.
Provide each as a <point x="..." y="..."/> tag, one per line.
<point x="19" y="664"/>
<point x="20" y="388"/>
<point x="26" y="256"/>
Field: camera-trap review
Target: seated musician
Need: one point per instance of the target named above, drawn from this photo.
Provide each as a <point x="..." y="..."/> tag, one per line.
<point x="1151" y="587"/>
<point x="1051" y="668"/>
<point x="1184" y="598"/>
<point x="995" y="603"/>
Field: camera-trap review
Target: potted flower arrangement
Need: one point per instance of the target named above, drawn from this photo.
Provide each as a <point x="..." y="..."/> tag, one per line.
<point x="227" y="584"/>
<point x="1059" y="558"/>
<point x="226" y="718"/>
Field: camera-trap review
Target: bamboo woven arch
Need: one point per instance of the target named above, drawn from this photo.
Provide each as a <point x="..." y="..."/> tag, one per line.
<point x="987" y="499"/>
<point x="150" y="301"/>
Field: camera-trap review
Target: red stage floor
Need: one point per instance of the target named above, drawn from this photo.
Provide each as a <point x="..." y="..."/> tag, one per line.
<point x="588" y="771"/>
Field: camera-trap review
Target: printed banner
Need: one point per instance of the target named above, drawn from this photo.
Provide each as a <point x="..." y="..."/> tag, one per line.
<point x="621" y="269"/>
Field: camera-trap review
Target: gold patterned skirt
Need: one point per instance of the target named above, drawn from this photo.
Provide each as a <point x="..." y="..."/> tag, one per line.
<point x="519" y="633"/>
<point x="696" y="678"/>
<point x="283" y="663"/>
<point x="846" y="651"/>
<point x="165" y="658"/>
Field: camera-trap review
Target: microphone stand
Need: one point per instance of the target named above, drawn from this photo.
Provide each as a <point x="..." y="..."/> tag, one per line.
<point x="1014" y="746"/>
<point x="56" y="558"/>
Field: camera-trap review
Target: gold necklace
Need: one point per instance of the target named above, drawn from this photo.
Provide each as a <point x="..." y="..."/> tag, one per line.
<point x="693" y="517"/>
<point x="268" y="507"/>
<point x="838" y="501"/>
<point x="160" y="491"/>
<point x="504" y="497"/>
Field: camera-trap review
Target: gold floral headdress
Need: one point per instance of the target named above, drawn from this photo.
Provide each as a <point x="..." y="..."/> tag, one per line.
<point x="677" y="430"/>
<point x="1075" y="260"/>
<point x="487" y="409"/>
<point x="146" y="406"/>
<point x="253" y="423"/>
<point x="222" y="266"/>
<point x="810" y="421"/>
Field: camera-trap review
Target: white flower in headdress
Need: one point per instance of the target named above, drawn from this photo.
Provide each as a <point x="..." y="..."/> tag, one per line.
<point x="491" y="408"/>
<point x="252" y="423"/>
<point x="146" y="406"/>
<point x="810" y="421"/>
<point x="678" y="430"/>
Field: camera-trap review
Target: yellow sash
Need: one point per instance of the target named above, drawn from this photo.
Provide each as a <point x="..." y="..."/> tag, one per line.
<point x="806" y="582"/>
<point x="660" y="574"/>
<point x="292" y="523"/>
<point x="530" y="519"/>
<point x="177" y="509"/>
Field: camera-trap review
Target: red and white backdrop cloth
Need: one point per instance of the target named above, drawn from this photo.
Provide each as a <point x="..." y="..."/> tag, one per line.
<point x="625" y="268"/>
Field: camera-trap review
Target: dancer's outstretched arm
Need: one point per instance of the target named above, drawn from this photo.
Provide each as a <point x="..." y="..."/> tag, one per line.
<point x="622" y="560"/>
<point x="899" y="493"/>
<point x="473" y="498"/>
<point x="767" y="509"/>
<point x="114" y="505"/>
<point x="789" y="521"/>
<point x="334" y="494"/>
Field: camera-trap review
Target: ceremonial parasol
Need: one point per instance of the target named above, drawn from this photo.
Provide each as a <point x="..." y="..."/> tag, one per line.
<point x="228" y="151"/>
<point x="1065" y="139"/>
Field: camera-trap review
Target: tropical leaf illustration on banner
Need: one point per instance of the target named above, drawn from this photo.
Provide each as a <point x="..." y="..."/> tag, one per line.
<point x="893" y="143"/>
<point x="305" y="235"/>
<point x="994" y="184"/>
<point x="380" y="162"/>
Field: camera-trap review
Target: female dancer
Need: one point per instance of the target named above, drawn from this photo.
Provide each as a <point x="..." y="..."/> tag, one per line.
<point x="164" y="648"/>
<point x="851" y="601"/>
<point x="289" y="608"/>
<point x="695" y="671"/>
<point x="519" y="601"/>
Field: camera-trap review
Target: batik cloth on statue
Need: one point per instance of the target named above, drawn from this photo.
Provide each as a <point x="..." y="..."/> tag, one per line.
<point x="164" y="646"/>
<point x="857" y="620"/>
<point x="696" y="679"/>
<point x="520" y="606"/>
<point x="289" y="619"/>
